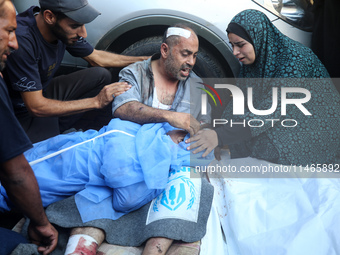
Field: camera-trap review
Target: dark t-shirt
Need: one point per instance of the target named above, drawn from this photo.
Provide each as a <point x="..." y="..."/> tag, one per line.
<point x="13" y="140"/>
<point x="33" y="65"/>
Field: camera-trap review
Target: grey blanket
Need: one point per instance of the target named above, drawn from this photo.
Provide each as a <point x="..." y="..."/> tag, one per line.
<point x="136" y="227"/>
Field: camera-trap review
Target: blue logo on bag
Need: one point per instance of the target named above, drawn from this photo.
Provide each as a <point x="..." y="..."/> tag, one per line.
<point x="175" y="196"/>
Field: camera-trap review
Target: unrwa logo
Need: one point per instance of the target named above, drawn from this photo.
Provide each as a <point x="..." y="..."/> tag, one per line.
<point x="204" y="97"/>
<point x="181" y="190"/>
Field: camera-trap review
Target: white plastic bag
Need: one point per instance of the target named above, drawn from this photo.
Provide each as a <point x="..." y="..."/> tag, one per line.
<point x="291" y="216"/>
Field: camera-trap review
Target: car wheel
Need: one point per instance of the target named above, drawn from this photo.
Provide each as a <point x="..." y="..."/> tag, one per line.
<point x="206" y="65"/>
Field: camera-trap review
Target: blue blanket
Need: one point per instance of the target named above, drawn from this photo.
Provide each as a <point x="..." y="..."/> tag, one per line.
<point x="111" y="172"/>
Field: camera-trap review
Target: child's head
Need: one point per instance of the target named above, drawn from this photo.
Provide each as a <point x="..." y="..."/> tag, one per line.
<point x="177" y="135"/>
<point x="187" y="158"/>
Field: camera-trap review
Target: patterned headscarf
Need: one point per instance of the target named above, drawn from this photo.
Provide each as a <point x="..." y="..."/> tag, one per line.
<point x="277" y="57"/>
<point x="276" y="54"/>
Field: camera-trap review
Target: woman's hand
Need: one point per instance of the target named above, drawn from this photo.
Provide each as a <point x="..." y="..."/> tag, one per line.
<point x="205" y="139"/>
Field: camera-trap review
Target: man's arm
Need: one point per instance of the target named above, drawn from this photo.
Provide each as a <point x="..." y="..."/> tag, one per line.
<point x="40" y="106"/>
<point x="140" y="113"/>
<point x="22" y="188"/>
<point x="108" y="59"/>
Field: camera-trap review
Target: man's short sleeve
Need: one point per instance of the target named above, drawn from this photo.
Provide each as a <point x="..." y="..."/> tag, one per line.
<point x="80" y="49"/>
<point x="133" y="94"/>
<point x="22" y="71"/>
<point x="14" y="141"/>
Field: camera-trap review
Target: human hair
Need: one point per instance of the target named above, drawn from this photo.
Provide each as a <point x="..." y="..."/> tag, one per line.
<point x="2" y="11"/>
<point x="174" y="39"/>
<point x="59" y="15"/>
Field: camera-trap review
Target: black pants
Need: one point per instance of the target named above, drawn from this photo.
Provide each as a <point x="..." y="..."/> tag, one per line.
<point x="81" y="84"/>
<point x="10" y="240"/>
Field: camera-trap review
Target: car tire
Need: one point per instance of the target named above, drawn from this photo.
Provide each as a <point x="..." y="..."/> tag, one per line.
<point x="206" y="65"/>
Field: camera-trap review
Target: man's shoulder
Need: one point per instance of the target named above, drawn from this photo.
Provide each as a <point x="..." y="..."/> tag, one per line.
<point x="193" y="77"/>
<point x="26" y="19"/>
<point x="144" y="65"/>
<point x="26" y="26"/>
<point x="195" y="80"/>
<point x="137" y="69"/>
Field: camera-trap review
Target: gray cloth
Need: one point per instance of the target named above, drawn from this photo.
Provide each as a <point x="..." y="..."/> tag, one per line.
<point x="140" y="76"/>
<point x="129" y="230"/>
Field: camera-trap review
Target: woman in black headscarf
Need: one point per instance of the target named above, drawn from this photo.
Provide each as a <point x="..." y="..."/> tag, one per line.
<point x="270" y="59"/>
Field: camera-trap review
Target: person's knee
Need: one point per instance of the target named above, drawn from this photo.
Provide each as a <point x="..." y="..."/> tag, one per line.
<point x="10" y="240"/>
<point x="123" y="203"/>
<point x="124" y="200"/>
<point x="104" y="75"/>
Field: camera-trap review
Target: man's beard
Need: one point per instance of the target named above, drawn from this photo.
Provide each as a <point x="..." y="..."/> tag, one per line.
<point x="2" y="61"/>
<point x="59" y="32"/>
<point x="173" y="70"/>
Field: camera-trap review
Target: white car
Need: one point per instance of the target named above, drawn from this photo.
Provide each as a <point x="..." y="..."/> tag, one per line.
<point x="135" y="27"/>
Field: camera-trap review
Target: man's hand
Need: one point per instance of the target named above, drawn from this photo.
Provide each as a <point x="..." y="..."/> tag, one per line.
<point x="185" y="121"/>
<point x="110" y="91"/>
<point x="204" y="140"/>
<point x="46" y="237"/>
